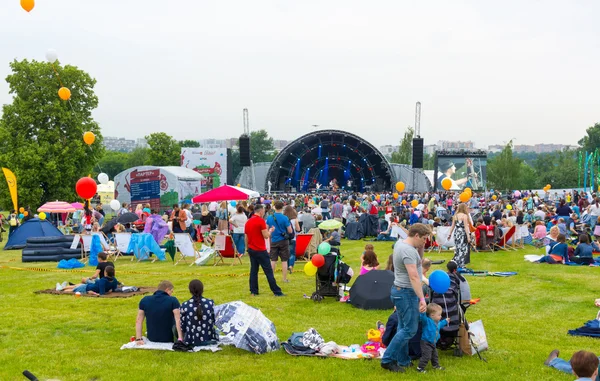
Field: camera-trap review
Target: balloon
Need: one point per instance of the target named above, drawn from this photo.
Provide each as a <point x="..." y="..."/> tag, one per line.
<point x="310" y="269"/>
<point x="115" y="205"/>
<point x="414" y="203"/>
<point x="509" y="207"/>
<point x="400" y="186"/>
<point x="89" y="138"/>
<point x="439" y="281"/>
<point x="464" y="197"/>
<point x="21" y="215"/>
<point x="51" y="56"/>
<point x="468" y="191"/>
<point x="21" y="210"/>
<point x="517" y="194"/>
<point x="396" y="196"/>
<point x="197" y="222"/>
<point x="86" y="187"/>
<point x="27" y="5"/>
<point x="64" y="93"/>
<point x="25" y="213"/>
<point x="446" y="183"/>
<point x="548" y="186"/>
<point x="403" y="202"/>
<point x="494" y="197"/>
<point x="103" y="178"/>
<point x="324" y="248"/>
<point x="262" y="199"/>
<point x="318" y="260"/>
<point x="233" y="203"/>
<point x="42" y="216"/>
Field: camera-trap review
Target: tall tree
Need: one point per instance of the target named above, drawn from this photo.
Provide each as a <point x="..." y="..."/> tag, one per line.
<point x="41" y="135"/>
<point x="164" y="150"/>
<point x="235" y="161"/>
<point x="112" y="163"/>
<point x="261" y="146"/>
<point x="189" y="143"/>
<point x="404" y="153"/>
<point x="137" y="157"/>
<point x="591" y="141"/>
<point x="504" y="170"/>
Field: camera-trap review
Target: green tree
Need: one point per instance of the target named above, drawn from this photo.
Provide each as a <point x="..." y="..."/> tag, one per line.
<point x="428" y="161"/>
<point x="112" y="163"/>
<point x="528" y="178"/>
<point x="261" y="146"/>
<point x="41" y="135"/>
<point x="504" y="170"/>
<point x="591" y="141"/>
<point x="404" y="153"/>
<point x="164" y="150"/>
<point x="189" y="143"/>
<point x="137" y="157"/>
<point x="235" y="164"/>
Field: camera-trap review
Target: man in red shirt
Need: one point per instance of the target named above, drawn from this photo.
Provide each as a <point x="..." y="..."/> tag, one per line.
<point x="256" y="233"/>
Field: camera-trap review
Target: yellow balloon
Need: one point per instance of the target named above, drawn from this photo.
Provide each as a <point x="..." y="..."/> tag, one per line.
<point x="403" y="202"/>
<point x="414" y="203"/>
<point x="446" y="183"/>
<point x="509" y="207"/>
<point x="27" y="5"/>
<point x="395" y="196"/>
<point x="21" y="210"/>
<point x="400" y="186"/>
<point x="64" y="93"/>
<point x="239" y="185"/>
<point x="469" y="191"/>
<point x="310" y="269"/>
<point x="494" y="197"/>
<point x="42" y="216"/>
<point x="89" y="138"/>
<point x="464" y="197"/>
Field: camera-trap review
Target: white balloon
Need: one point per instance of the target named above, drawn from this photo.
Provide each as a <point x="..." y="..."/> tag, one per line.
<point x="51" y="56"/>
<point x="115" y="205"/>
<point x="103" y="178"/>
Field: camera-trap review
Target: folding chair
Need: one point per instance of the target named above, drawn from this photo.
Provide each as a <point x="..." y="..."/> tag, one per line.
<point x="86" y="243"/>
<point x="302" y="242"/>
<point x="122" y="244"/>
<point x="504" y="242"/>
<point x="185" y="245"/>
<point x="224" y="248"/>
<point x="105" y="245"/>
<point x="441" y="238"/>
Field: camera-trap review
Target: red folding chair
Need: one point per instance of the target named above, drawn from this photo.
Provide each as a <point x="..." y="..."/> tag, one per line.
<point x="229" y="252"/>
<point x="302" y="241"/>
<point x="503" y="244"/>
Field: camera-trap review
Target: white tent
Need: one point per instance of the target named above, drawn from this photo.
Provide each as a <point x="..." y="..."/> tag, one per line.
<point x="161" y="187"/>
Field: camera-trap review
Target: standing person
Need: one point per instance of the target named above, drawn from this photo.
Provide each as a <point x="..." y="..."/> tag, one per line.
<point x="431" y="334"/>
<point x="212" y="208"/>
<point x="238" y="221"/>
<point x="255" y="235"/>
<point x="13" y="222"/>
<point x="280" y="244"/>
<point x="162" y="313"/>
<point x="337" y="210"/>
<point x="189" y="227"/>
<point x="178" y="217"/>
<point x="324" y="205"/>
<point x="407" y="295"/>
<point x="100" y="210"/>
<point x="290" y="213"/>
<point x="462" y="236"/>
<point x="594" y="211"/>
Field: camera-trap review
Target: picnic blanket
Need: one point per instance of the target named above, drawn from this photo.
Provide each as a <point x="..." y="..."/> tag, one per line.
<point x="486" y="273"/>
<point x="590" y="329"/>
<point x="166" y="346"/>
<point x="140" y="291"/>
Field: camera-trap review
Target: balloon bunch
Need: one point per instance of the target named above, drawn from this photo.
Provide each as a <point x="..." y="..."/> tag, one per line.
<point x="547" y="187"/>
<point x="465" y="195"/>
<point x="317" y="260"/>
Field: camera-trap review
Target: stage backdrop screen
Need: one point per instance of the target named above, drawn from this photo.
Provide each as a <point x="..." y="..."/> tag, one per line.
<point x="210" y="162"/>
<point x="465" y="172"/>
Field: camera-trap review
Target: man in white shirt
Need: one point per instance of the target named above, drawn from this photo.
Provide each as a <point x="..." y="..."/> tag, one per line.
<point x="212" y="208"/>
<point x="539" y="214"/>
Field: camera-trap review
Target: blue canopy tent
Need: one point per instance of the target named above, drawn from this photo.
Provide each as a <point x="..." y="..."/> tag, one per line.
<point x="31" y="228"/>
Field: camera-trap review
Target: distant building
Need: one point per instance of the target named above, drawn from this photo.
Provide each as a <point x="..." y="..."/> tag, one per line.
<point x="495" y="148"/>
<point x="536" y="148"/>
<point x="280" y="144"/>
<point x="387" y="150"/>
<point x="448" y="145"/>
<point x="112" y="143"/>
<point x="429" y="149"/>
<point x="141" y="143"/>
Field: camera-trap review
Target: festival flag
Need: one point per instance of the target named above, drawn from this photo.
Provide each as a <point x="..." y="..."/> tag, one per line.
<point x="11" y="180"/>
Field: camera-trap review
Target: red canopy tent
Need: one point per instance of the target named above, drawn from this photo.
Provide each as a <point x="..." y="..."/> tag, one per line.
<point x="225" y="193"/>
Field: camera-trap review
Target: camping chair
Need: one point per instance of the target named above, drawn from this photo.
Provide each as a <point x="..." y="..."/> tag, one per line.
<point x="224" y="248"/>
<point x="441" y="238"/>
<point x="302" y="242"/>
<point x="504" y="242"/>
<point x="315" y="241"/>
<point x="122" y="244"/>
<point x="104" y="242"/>
<point x="185" y="245"/>
<point x="86" y="243"/>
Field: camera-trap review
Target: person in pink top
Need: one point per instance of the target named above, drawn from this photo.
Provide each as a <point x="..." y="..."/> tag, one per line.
<point x="540" y="230"/>
<point x="369" y="262"/>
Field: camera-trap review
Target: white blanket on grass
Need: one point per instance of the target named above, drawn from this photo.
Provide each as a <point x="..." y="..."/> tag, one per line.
<point x="166" y="346"/>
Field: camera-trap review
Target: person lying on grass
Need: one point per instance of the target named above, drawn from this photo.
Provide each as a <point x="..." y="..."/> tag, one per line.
<point x="103" y="286"/>
<point x="583" y="364"/>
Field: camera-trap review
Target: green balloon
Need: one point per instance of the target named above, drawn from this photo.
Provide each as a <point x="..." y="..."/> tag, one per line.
<point x="324" y="248"/>
<point x="196" y="222"/>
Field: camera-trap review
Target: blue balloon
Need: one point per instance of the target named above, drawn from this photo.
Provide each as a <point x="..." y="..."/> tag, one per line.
<point x="21" y="215"/>
<point x="233" y="203"/>
<point x="439" y="281"/>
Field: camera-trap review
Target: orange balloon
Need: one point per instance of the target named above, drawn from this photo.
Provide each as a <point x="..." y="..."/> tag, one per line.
<point x="414" y="203"/>
<point x="27" y="5"/>
<point x="446" y="183"/>
<point x="395" y="196"/>
<point x="494" y="197"/>
<point x="400" y="186"/>
<point x="464" y="197"/>
<point x="25" y="213"/>
<point x="403" y="202"/>
<point x="89" y="138"/>
<point x="469" y="191"/>
<point x="64" y="93"/>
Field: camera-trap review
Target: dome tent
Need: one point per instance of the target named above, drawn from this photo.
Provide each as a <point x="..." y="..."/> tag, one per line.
<point x="28" y="229"/>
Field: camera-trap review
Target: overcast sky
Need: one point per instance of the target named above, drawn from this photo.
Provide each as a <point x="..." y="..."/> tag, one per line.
<point x="487" y="71"/>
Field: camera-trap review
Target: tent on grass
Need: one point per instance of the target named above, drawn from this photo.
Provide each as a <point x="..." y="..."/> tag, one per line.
<point x="31" y="228"/>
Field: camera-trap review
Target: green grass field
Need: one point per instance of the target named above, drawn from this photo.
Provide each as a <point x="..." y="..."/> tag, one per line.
<point x="69" y="338"/>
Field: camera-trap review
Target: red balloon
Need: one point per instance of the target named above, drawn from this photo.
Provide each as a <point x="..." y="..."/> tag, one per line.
<point x="86" y="187"/>
<point x="318" y="260"/>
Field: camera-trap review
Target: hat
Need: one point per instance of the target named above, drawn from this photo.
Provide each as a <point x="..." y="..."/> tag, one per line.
<point x="445" y="166"/>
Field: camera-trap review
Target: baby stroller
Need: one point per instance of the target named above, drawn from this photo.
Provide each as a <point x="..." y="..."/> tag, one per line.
<point x="330" y="276"/>
<point x="454" y="303"/>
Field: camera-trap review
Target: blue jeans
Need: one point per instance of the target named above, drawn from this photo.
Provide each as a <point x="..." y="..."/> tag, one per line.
<point x="261" y="258"/>
<point x="238" y="241"/>
<point x="564" y="366"/>
<point x="326" y="216"/>
<point x="407" y="308"/>
<point x="292" y="259"/>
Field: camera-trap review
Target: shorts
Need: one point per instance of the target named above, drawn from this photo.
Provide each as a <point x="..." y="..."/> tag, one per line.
<point x="82" y="288"/>
<point x="281" y="250"/>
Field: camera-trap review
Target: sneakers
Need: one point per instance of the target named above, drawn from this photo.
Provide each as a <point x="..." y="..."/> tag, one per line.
<point x="392" y="367"/>
<point x="282" y="294"/>
<point x="286" y="281"/>
<point x="554" y="354"/>
<point x="439" y="367"/>
<point x="64" y="284"/>
<point x="421" y="370"/>
<point x="59" y="287"/>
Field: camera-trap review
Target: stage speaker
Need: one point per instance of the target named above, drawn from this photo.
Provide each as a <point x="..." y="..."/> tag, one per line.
<point x="245" y="151"/>
<point x="417" y="153"/>
<point x="230" y="178"/>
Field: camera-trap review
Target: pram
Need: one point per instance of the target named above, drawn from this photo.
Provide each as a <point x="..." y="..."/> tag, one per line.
<point x="329" y="277"/>
<point x="454" y="303"/>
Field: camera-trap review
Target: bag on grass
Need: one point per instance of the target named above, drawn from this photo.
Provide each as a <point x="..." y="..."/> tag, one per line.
<point x="478" y="337"/>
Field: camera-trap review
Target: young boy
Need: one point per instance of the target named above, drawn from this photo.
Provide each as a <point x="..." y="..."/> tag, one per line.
<point x="430" y="321"/>
<point x="585" y="365"/>
<point x="100" y="269"/>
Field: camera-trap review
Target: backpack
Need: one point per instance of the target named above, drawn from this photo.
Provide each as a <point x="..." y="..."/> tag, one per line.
<point x="12" y="221"/>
